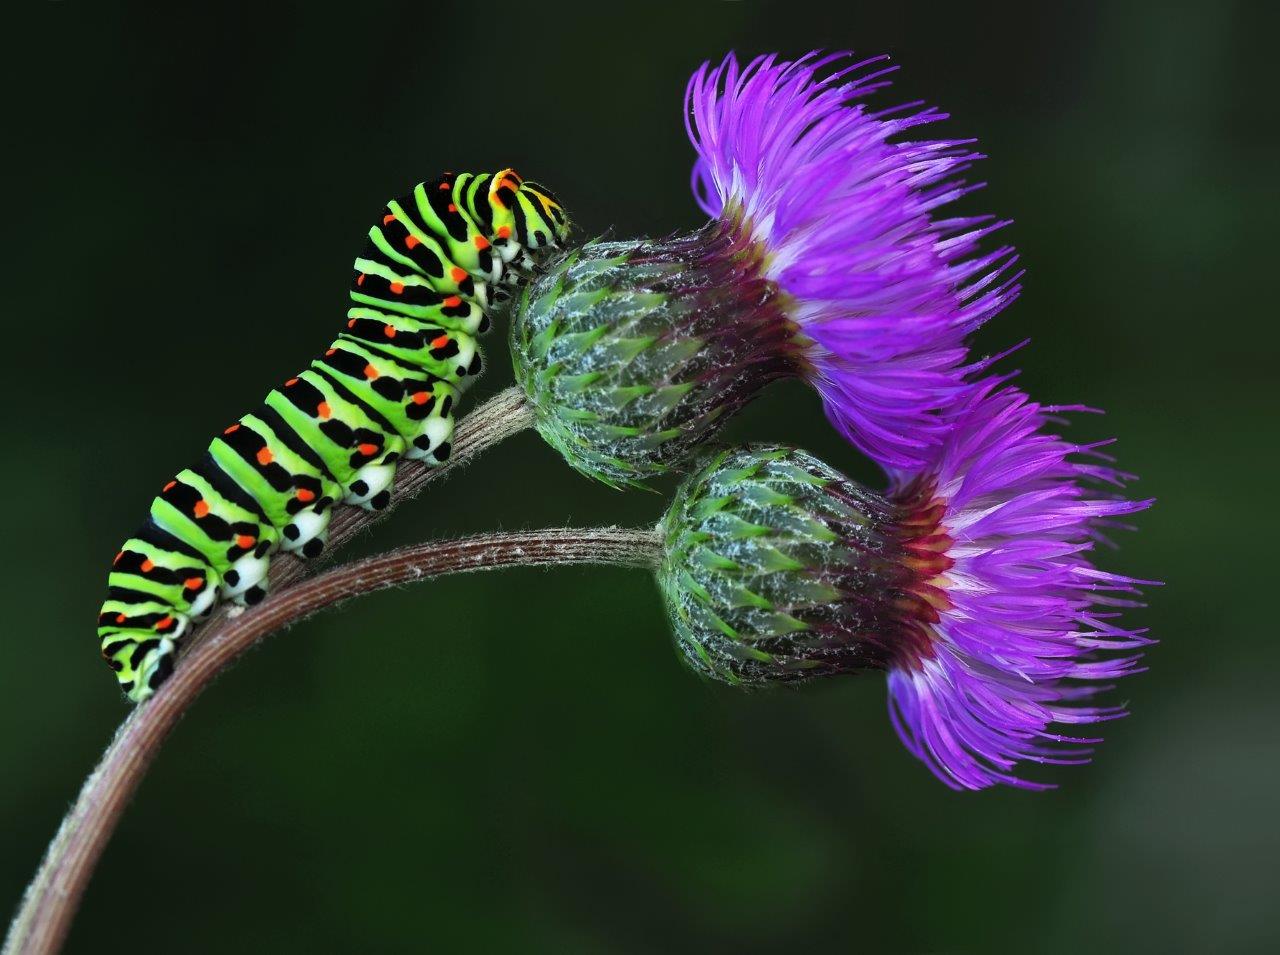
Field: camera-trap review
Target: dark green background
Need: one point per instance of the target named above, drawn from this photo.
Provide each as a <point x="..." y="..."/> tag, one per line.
<point x="518" y="760"/>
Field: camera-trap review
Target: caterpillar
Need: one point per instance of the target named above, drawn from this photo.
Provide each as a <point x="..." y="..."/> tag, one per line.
<point x="425" y="283"/>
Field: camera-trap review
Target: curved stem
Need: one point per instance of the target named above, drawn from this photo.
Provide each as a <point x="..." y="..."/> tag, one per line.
<point x="53" y="896"/>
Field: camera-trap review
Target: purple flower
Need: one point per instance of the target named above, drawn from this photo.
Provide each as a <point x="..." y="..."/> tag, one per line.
<point x="846" y="212"/>
<point x="970" y="582"/>
<point x="824" y="258"/>
<point x="1025" y="633"/>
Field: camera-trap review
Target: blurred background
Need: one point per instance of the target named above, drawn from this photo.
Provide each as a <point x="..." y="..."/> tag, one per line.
<point x="518" y="760"/>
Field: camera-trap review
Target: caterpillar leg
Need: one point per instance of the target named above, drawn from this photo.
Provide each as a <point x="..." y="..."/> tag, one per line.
<point x="204" y="603"/>
<point x="431" y="412"/>
<point x="245" y="581"/>
<point x="433" y="443"/>
<point x="370" y="486"/>
<point x="307" y="532"/>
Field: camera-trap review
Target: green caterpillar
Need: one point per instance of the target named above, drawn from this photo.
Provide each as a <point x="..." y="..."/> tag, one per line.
<point x="385" y="390"/>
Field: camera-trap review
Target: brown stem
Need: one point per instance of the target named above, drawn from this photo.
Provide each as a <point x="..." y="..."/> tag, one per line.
<point x="51" y="899"/>
<point x="53" y="896"/>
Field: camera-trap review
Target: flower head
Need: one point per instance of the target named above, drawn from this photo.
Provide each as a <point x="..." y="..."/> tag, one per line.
<point x="823" y="259"/>
<point x="846" y="211"/>
<point x="969" y="582"/>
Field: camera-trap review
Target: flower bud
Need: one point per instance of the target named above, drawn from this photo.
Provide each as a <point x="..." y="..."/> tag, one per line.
<point x="632" y="353"/>
<point x="778" y="568"/>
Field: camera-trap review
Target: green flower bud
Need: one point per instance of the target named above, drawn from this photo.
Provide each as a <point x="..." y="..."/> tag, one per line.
<point x="777" y="568"/>
<point x="632" y="353"/>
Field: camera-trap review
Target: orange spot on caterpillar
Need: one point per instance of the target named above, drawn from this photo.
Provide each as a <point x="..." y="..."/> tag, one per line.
<point x="412" y="241"/>
<point x="245" y="541"/>
<point x="389" y="331"/>
<point x="444" y="186"/>
<point x="457" y="274"/>
<point x="330" y="352"/>
<point x="420" y="397"/>
<point x="265" y="456"/>
<point x="504" y="232"/>
<point x="397" y="288"/>
<point x="360" y="279"/>
<point x="305" y="494"/>
<point x="148" y="565"/>
<point x="388" y="218"/>
<point x="351" y="323"/>
<point x="370" y="372"/>
<point x="164" y="623"/>
<point x="115" y="560"/>
<point x="440" y="341"/>
<point x="121" y="618"/>
<point x="481" y="242"/>
<point x="368" y="450"/>
<point x="168" y="487"/>
<point x="452" y="207"/>
<point x="453" y="301"/>
<point x="291" y="382"/>
<point x="193" y="583"/>
<point x="201" y="508"/>
<point x="323" y="409"/>
<point x="233" y="429"/>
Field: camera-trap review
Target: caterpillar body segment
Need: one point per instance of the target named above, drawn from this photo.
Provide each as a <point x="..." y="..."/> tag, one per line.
<point x="425" y="283"/>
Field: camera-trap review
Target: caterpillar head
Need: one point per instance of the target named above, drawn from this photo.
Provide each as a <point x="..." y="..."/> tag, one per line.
<point x="528" y="211"/>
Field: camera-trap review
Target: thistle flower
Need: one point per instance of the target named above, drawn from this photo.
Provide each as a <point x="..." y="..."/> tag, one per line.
<point x="823" y="259"/>
<point x="970" y="583"/>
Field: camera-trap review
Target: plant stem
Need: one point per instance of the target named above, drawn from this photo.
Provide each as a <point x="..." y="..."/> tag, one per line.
<point x="54" y="894"/>
<point x="51" y="899"/>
